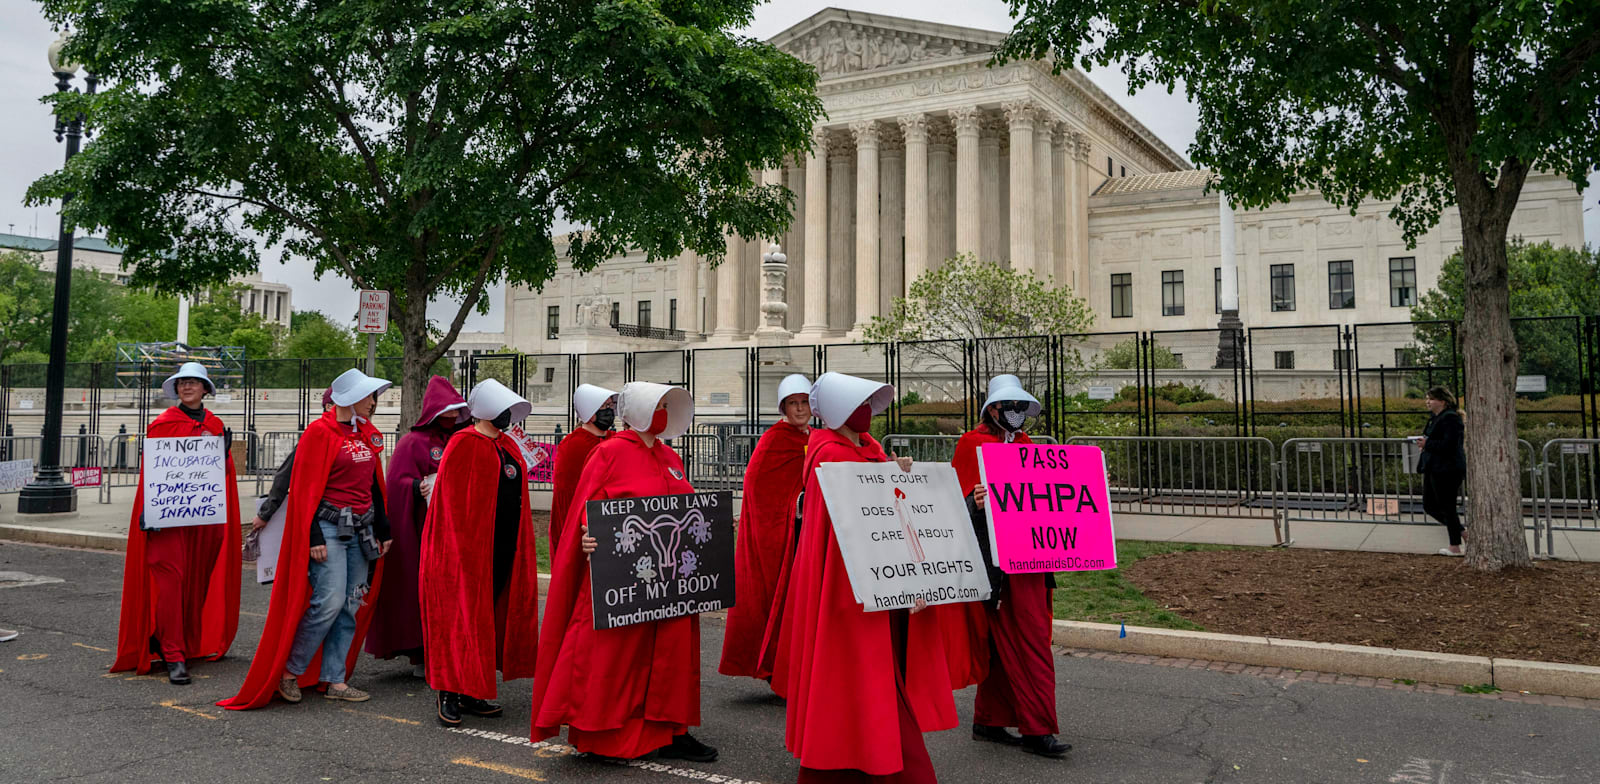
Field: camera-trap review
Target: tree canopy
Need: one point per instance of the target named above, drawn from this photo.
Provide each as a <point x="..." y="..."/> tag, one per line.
<point x="425" y="149"/>
<point x="1429" y="104"/>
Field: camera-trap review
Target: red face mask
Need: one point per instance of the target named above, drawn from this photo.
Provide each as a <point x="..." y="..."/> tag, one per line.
<point x="658" y="422"/>
<point x="860" y="419"/>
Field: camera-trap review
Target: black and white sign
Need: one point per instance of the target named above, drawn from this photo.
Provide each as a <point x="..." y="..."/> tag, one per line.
<point x="660" y="557"/>
<point x="904" y="535"/>
<point x="185" y="482"/>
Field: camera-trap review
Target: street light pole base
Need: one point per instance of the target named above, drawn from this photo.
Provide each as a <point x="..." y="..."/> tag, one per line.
<point x="45" y="497"/>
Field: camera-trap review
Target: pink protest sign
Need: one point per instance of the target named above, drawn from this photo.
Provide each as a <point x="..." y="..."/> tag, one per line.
<point x="1049" y="507"/>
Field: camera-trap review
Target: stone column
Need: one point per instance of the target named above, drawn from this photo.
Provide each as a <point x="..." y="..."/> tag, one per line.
<point x="816" y="248"/>
<point x="795" y="289"/>
<point x="1044" y="257"/>
<point x="754" y="249"/>
<point x="689" y="294"/>
<point x="867" y="271"/>
<point x="991" y="242"/>
<point x="841" y="236"/>
<point x="968" y="189"/>
<point x="915" y="128"/>
<point x="730" y="284"/>
<point x="1020" y="116"/>
<point x="941" y="194"/>
<point x="891" y="219"/>
<point x="1078" y="210"/>
<point x="1059" y="191"/>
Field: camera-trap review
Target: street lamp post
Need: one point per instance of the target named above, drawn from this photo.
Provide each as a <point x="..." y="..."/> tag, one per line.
<point x="51" y="492"/>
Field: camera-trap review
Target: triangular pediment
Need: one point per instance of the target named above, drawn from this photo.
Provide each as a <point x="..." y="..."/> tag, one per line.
<point x="842" y="43"/>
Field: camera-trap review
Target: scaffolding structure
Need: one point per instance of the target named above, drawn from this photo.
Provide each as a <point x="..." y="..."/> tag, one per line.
<point x="148" y="363"/>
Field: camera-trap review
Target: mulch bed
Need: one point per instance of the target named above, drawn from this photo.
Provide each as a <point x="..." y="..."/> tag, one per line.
<point x="1548" y="613"/>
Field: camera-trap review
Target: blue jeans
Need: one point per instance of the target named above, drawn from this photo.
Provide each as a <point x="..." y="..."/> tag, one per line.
<point x="338" y="586"/>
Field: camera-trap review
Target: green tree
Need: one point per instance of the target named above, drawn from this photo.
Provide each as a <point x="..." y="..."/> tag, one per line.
<point x="217" y="320"/>
<point x="25" y="294"/>
<point x="1545" y="281"/>
<point x="1431" y="104"/>
<point x="312" y="335"/>
<point x="424" y="148"/>
<point x="1125" y="356"/>
<point x="965" y="299"/>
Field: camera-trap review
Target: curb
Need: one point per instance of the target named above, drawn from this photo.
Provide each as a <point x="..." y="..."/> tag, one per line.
<point x="1566" y="680"/>
<point x="63" y="537"/>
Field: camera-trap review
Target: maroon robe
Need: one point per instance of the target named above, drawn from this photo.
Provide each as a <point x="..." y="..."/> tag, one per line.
<point x="766" y="524"/>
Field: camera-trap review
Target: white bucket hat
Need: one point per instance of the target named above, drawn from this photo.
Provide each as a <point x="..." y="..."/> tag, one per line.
<point x="188" y="370"/>
<point x="354" y="386"/>
<point x="490" y="399"/>
<point x="1006" y="387"/>
<point x="589" y="399"/>
<point x="835" y="396"/>
<point x="636" y="404"/>
<point x="792" y="384"/>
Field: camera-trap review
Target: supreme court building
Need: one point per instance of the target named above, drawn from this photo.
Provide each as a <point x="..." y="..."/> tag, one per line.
<point x="927" y="152"/>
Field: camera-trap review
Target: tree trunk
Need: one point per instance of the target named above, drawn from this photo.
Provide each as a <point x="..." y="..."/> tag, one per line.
<point x="1489" y="350"/>
<point x="414" y="364"/>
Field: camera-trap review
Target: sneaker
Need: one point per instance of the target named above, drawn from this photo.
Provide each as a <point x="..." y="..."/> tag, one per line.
<point x="348" y="694"/>
<point x="289" y="690"/>
<point x="685" y="747"/>
<point x="7" y="635"/>
<point x="1447" y="551"/>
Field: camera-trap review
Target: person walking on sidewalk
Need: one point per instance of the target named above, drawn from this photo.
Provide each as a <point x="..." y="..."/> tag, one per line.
<point x="479" y="568"/>
<point x="1018" y="685"/>
<point x="336" y="529"/>
<point x="180" y="585"/>
<point x="1443" y="464"/>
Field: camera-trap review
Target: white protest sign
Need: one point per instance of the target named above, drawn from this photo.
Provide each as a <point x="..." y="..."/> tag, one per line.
<point x="15" y="475"/>
<point x="185" y="482"/>
<point x="904" y="535"/>
<point x="271" y="540"/>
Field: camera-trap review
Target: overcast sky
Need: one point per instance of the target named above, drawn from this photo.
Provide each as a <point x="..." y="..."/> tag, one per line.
<point x="28" y="148"/>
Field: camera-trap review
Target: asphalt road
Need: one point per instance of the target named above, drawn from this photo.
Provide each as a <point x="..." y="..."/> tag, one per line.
<point x="63" y="717"/>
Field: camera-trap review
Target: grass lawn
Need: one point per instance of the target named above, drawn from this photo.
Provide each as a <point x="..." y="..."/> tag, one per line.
<point x="1108" y="597"/>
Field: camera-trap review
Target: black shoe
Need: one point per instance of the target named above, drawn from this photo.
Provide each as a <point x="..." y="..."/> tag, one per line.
<point x="478" y="707"/>
<point x="449" y="709"/>
<point x="685" y="747"/>
<point x="996" y="735"/>
<point x="1045" y="745"/>
<point x="178" y="673"/>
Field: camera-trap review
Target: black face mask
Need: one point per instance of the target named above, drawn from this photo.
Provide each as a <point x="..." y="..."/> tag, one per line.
<point x="605" y="418"/>
<point x="502" y="421"/>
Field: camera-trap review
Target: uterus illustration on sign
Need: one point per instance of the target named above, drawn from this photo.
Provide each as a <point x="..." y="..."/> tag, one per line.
<point x="913" y="539"/>
<point x="666" y="535"/>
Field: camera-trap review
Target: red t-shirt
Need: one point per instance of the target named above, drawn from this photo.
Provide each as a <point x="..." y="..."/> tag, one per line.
<point x="354" y="470"/>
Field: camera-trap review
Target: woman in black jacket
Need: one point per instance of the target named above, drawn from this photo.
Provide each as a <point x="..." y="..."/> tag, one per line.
<point x="1443" y="465"/>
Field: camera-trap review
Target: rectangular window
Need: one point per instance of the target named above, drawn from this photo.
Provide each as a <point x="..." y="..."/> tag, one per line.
<point x="644" y="313"/>
<point x="252" y="300"/>
<point x="616" y="313"/>
<point x="1178" y="358"/>
<point x="1342" y="358"/>
<point x="1122" y="295"/>
<point x="1341" y="285"/>
<point x="1283" y="360"/>
<point x="1108" y="166"/>
<point x="1405" y="357"/>
<point x="552" y="322"/>
<point x="1403" y="282"/>
<point x="672" y="314"/>
<point x="1124" y="170"/>
<point x="1172" y="293"/>
<point x="279" y="315"/>
<point x="1282" y="287"/>
<point x="1216" y="289"/>
<point x="549" y="375"/>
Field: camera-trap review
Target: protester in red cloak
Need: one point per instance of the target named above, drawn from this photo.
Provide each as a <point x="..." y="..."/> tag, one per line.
<point x="626" y="691"/>
<point x="396" y="618"/>
<point x="180" y="586"/>
<point x="480" y="565"/>
<point x="597" y="411"/>
<point x="325" y="468"/>
<point x="1019" y="686"/>
<point x="862" y="686"/>
<point x="772" y="482"/>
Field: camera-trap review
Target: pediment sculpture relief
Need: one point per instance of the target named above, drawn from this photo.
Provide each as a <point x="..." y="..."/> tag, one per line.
<point x="837" y="50"/>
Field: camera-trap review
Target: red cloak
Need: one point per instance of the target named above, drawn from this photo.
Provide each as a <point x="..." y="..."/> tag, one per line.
<point x="396" y="619"/>
<point x="626" y="691"/>
<point x="966" y="625"/>
<point x="209" y="599"/>
<point x="291" y="591"/>
<point x="766" y="526"/>
<point x="571" y="455"/>
<point x="838" y="661"/>
<point x="467" y="634"/>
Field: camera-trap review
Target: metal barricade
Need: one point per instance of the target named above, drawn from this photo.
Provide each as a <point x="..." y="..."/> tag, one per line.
<point x="702" y="460"/>
<point x="1570" y="487"/>
<point x="1360" y="480"/>
<point x="1227" y="477"/>
<point x="934" y="448"/>
<point x="21" y="448"/>
<point x="549" y="441"/>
